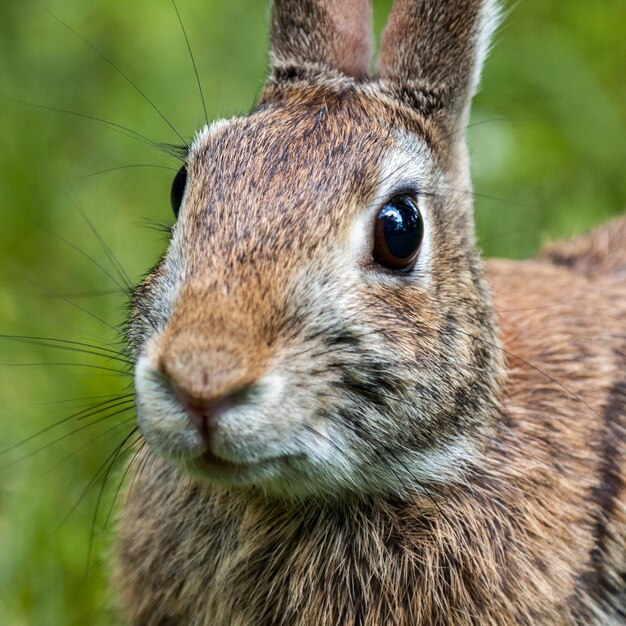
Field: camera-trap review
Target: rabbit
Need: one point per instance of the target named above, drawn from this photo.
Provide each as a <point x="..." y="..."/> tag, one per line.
<point x="350" y="418"/>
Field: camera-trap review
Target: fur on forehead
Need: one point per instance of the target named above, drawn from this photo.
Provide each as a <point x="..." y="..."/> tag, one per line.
<point x="316" y="110"/>
<point x="305" y="155"/>
<point x="289" y="173"/>
<point x="290" y="152"/>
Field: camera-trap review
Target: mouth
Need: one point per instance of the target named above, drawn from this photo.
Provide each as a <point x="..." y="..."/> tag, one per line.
<point x="209" y="466"/>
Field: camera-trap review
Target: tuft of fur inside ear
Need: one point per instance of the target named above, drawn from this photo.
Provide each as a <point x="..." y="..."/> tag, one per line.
<point x="439" y="46"/>
<point x="336" y="34"/>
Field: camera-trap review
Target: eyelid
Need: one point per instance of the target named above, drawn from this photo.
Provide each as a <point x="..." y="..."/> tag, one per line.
<point x="402" y="189"/>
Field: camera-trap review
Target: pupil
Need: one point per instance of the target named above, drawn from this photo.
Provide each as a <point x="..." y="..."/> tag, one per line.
<point x="402" y="228"/>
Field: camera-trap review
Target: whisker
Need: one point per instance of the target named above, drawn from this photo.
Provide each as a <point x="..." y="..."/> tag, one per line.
<point x="476" y="194"/>
<point x="123" y="401"/>
<point x="418" y="483"/>
<point x="86" y="491"/>
<point x="599" y="285"/>
<point x="123" y="74"/>
<point x="123" y="480"/>
<point x="72" y="346"/>
<point x="363" y="437"/>
<point x="107" y="250"/>
<point x="436" y="191"/>
<point x="94" y="407"/>
<point x="161" y="227"/>
<point x="515" y="357"/>
<point x="72" y="303"/>
<point x="82" y="400"/>
<point x="501" y="118"/>
<point x="112" y="125"/>
<point x="73" y="246"/>
<point x="193" y="61"/>
<point x="317" y="433"/>
<point x="545" y="463"/>
<point x="140" y="469"/>
<point x="66" y="435"/>
<point x="122" y="167"/>
<point x="118" y="454"/>
<point x="89" y="443"/>
<point x="77" y="295"/>
<point x="508" y="233"/>
<point x="101" y="368"/>
<point x="412" y="405"/>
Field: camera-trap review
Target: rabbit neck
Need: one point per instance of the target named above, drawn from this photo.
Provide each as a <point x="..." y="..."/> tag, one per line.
<point x="247" y="560"/>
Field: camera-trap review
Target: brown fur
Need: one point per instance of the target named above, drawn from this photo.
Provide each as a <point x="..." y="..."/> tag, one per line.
<point x="530" y="529"/>
<point x="536" y="536"/>
<point x="333" y="33"/>
<point x="429" y="41"/>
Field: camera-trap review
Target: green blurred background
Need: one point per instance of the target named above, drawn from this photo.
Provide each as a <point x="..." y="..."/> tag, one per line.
<point x="549" y="147"/>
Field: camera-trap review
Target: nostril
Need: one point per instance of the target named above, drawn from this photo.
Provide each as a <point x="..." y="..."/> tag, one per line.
<point x="206" y="383"/>
<point x="205" y="413"/>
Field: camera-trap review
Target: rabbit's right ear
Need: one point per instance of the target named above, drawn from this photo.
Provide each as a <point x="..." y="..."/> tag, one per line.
<point x="335" y="34"/>
<point x="438" y="47"/>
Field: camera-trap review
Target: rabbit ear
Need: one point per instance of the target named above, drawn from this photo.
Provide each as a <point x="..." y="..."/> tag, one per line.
<point x="333" y="33"/>
<point x="439" y="47"/>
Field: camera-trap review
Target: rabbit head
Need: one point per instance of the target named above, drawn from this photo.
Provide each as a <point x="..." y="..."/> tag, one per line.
<point x="320" y="322"/>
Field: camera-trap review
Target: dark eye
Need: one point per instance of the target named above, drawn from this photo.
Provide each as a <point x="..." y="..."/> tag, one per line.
<point x="178" y="189"/>
<point x="399" y="233"/>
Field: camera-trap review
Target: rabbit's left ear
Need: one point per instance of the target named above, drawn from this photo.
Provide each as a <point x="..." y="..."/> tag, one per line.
<point x="438" y="47"/>
<point x="335" y="34"/>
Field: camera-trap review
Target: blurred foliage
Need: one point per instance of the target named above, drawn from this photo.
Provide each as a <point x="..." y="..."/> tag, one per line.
<point x="548" y="137"/>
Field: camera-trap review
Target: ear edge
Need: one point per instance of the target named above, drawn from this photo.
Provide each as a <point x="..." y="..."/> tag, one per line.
<point x="448" y="84"/>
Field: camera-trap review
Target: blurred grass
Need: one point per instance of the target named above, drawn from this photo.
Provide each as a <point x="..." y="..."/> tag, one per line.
<point x="548" y="142"/>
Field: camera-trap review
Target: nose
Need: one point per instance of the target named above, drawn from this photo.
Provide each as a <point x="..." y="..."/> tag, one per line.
<point x="207" y="381"/>
<point x="205" y="413"/>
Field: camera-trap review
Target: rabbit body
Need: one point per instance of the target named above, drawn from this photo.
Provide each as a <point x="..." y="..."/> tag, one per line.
<point x="535" y="536"/>
<point x="407" y="449"/>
